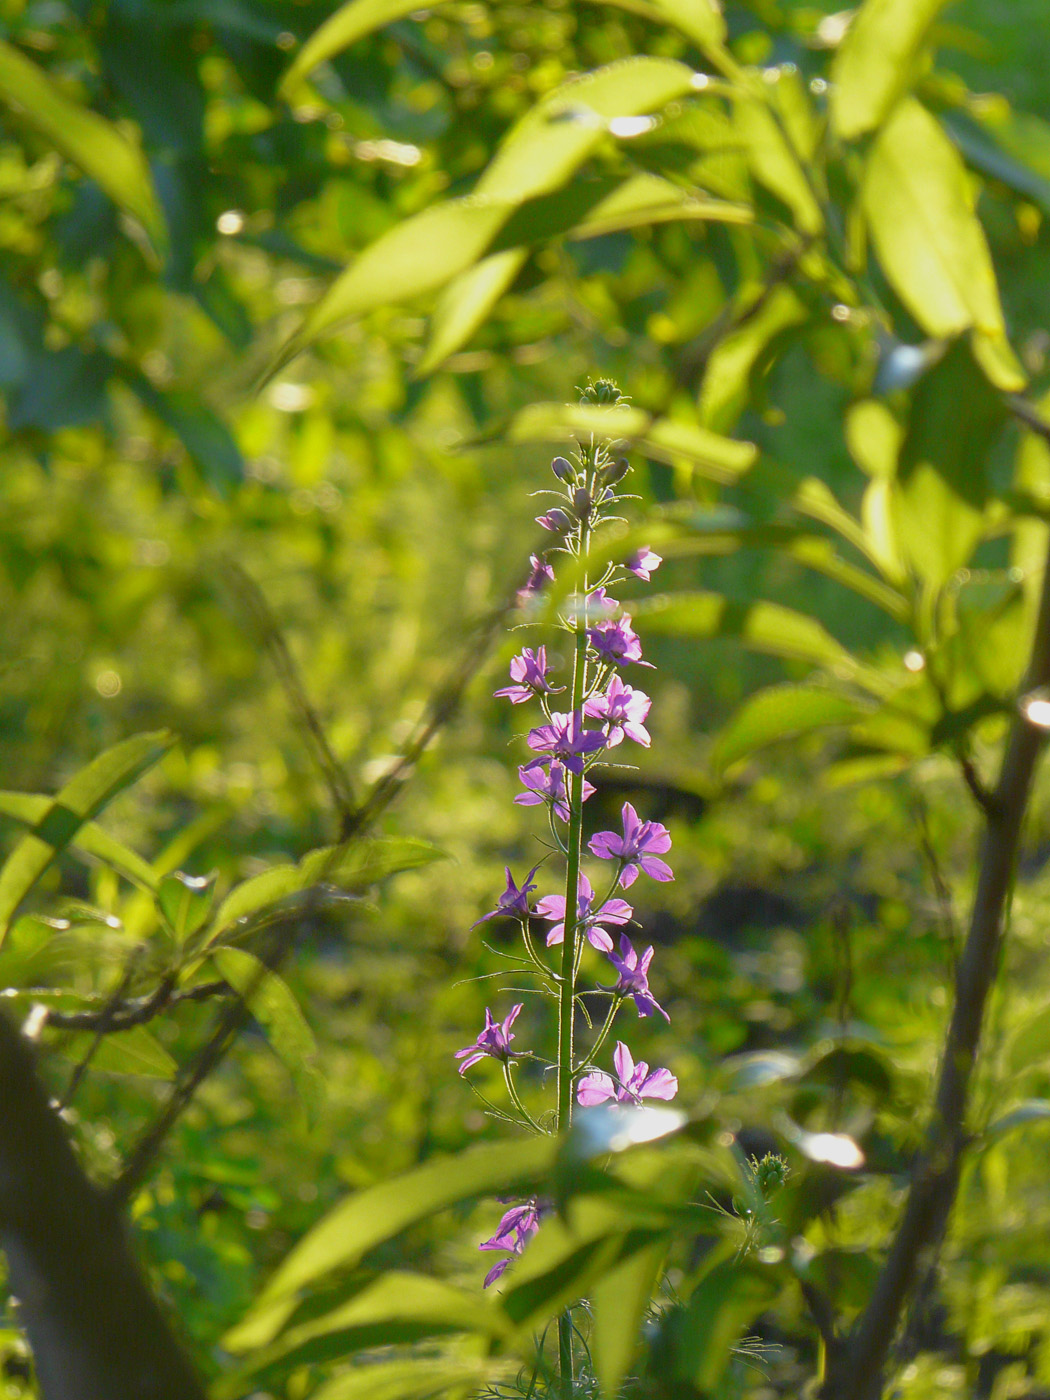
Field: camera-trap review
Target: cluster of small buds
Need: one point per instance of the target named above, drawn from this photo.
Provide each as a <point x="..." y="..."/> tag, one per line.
<point x="603" y="712"/>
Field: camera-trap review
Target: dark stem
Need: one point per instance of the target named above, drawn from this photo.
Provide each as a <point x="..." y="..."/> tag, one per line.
<point x="935" y="1175"/>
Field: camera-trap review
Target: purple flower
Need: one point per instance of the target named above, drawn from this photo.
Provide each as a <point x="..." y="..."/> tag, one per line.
<point x="633" y="980"/>
<point x="617" y="642"/>
<point x="614" y="911"/>
<point x="556" y="520"/>
<point x="494" y="1040"/>
<point x="513" y="903"/>
<point x="596" y="604"/>
<point x="547" y="787"/>
<point x="624" y="711"/>
<point x="514" y="1231"/>
<point x="529" y="673"/>
<point x="643" y="563"/>
<point x="541" y="574"/>
<point x="635" y="1082"/>
<point x="635" y="847"/>
<point x="565" y="738"/>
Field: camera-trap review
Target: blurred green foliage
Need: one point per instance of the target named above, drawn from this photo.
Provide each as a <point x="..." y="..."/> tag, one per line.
<point x="192" y="540"/>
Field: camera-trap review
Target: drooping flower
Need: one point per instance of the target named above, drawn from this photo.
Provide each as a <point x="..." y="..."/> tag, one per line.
<point x="566" y="739"/>
<point x="633" y="978"/>
<point x="513" y="903"/>
<point x="624" y="711"/>
<point x="529" y="674"/>
<point x="541" y="574"/>
<point x="616" y="642"/>
<point x="643" y="563"/>
<point x="544" y="786"/>
<point x="634" y="1082"/>
<point x="556" y="520"/>
<point x="635" y="848"/>
<point x="588" y="920"/>
<point x="514" y="1231"/>
<point x="493" y="1041"/>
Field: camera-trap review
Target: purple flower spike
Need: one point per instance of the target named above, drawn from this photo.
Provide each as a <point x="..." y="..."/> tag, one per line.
<point x="624" y="711"/>
<point x="617" y="642"/>
<point x="566" y="739"/>
<point x="635" y="1082"/>
<point x="635" y="848"/>
<point x="529" y="674"/>
<point x="614" y="911"/>
<point x="544" y="786"/>
<point x="514" y="1231"/>
<point x="643" y="563"/>
<point x="633" y="979"/>
<point x="494" y="1040"/>
<point x="541" y="575"/>
<point x="512" y="903"/>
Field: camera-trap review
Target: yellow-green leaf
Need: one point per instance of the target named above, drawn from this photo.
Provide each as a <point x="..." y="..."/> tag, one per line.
<point x="94" y="145"/>
<point x="919" y="208"/>
<point x="781" y="712"/>
<point x="876" y="62"/>
<point x="134" y="1051"/>
<point x="30" y="808"/>
<point x="774" y="163"/>
<point x="349" y="23"/>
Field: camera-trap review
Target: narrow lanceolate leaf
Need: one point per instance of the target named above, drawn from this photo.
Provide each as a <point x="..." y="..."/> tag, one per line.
<point x="764" y="626"/>
<point x="619" y="1302"/>
<point x="273" y="1005"/>
<point x="876" y="62"/>
<point x="368" y="1218"/>
<point x="781" y="712"/>
<point x="774" y="163"/>
<point x="709" y="454"/>
<point x="414" y="1379"/>
<point x="919" y="208"/>
<point x="465" y="304"/>
<point x="134" y="1051"/>
<point x="30" y="808"/>
<point x="82" y="798"/>
<point x="94" y="145"/>
<point x="349" y="23"/>
<point x="397" y="1308"/>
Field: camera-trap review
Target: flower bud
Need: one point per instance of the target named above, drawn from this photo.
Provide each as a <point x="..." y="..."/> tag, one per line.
<point x="556" y="519"/>
<point x="563" y="469"/>
<point x="602" y="391"/>
<point x="581" y="500"/>
<point x="615" y="471"/>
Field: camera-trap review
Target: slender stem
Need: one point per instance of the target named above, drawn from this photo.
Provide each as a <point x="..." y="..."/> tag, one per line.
<point x="515" y="1099"/>
<point x="567" y="987"/>
<point x="603" y="1034"/>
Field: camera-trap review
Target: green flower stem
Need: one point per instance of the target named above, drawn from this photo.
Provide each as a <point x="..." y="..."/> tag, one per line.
<point x="603" y="1034"/>
<point x="515" y="1099"/>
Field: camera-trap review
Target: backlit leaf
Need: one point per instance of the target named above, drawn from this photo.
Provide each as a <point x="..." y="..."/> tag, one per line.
<point x="30" y="808"/>
<point x="135" y="1051"/>
<point x="919" y="209"/>
<point x="620" y="1300"/>
<point x="781" y="712"/>
<point x="82" y="798"/>
<point x="93" y="144"/>
<point x="876" y="62"/>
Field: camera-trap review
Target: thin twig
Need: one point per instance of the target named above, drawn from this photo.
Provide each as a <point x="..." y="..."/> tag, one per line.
<point x="121" y="1015"/>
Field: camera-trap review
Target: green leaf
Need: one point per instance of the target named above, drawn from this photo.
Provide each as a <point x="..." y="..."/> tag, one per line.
<point x="271" y="1002"/>
<point x="465" y="304"/>
<point x="204" y="435"/>
<point x="919" y="208"/>
<point x="781" y="712"/>
<point x="711" y="456"/>
<point x="368" y="1218"/>
<point x="349" y="23"/>
<point x="774" y="163"/>
<point x="1030" y="1111"/>
<point x="552" y="140"/>
<point x="31" y="808"/>
<point x="414" y="1379"/>
<point x="699" y="20"/>
<point x="943" y="486"/>
<point x="260" y="892"/>
<point x="620" y="1300"/>
<point x="877" y="62"/>
<point x="765" y="626"/>
<point x="82" y="798"/>
<point x="726" y="387"/>
<point x="363" y="863"/>
<point x="185" y="901"/>
<point x="724" y="1303"/>
<point x="93" y="144"/>
<point x="134" y="1051"/>
<point x="398" y="1307"/>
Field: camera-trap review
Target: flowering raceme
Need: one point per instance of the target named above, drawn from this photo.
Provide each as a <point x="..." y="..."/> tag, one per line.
<point x="602" y="712"/>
